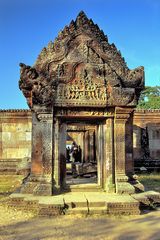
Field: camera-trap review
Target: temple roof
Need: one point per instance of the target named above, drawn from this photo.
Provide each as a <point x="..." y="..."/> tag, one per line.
<point x="81" y="68"/>
<point x="86" y="26"/>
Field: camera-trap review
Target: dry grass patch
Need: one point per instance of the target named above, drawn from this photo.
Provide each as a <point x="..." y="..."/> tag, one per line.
<point x="9" y="183"/>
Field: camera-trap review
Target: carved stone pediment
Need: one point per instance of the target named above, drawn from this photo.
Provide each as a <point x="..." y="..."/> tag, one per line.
<point x="86" y="86"/>
<point x="81" y="69"/>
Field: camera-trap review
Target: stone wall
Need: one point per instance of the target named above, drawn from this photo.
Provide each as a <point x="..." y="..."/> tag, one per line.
<point x="15" y="138"/>
<point x="146" y="132"/>
<point x="15" y="134"/>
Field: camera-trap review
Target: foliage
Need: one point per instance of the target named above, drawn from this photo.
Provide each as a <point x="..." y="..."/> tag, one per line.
<point x="150" y="98"/>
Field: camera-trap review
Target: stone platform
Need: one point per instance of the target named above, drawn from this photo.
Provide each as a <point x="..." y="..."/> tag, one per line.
<point x="84" y="203"/>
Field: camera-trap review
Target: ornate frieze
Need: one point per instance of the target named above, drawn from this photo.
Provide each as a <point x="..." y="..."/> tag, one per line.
<point x="86" y="88"/>
<point x="84" y="112"/>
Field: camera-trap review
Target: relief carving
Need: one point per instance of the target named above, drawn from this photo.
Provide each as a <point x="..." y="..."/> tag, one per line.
<point x="87" y="85"/>
<point x="81" y="68"/>
<point x="83" y="112"/>
<point x="44" y="117"/>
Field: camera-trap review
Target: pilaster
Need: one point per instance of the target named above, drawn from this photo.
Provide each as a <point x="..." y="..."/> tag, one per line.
<point x="109" y="160"/>
<point x="122" y="121"/>
<point x="40" y="180"/>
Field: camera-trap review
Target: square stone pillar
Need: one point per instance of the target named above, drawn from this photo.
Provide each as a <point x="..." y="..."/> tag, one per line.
<point x="100" y="154"/>
<point x="123" y="149"/>
<point x="91" y="145"/>
<point x="109" y="159"/>
<point x="86" y="146"/>
<point x="59" y="155"/>
<point x="40" y="179"/>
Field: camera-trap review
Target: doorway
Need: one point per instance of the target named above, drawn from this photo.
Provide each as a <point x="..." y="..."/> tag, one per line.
<point x="83" y="151"/>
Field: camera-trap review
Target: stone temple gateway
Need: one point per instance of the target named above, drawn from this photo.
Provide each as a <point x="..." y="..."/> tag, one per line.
<point x="81" y="88"/>
<point x="82" y="96"/>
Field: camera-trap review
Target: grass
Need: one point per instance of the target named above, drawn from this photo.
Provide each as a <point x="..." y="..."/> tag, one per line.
<point x="9" y="183"/>
<point x="150" y="181"/>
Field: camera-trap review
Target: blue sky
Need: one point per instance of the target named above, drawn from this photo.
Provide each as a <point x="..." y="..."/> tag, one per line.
<point x="27" y="26"/>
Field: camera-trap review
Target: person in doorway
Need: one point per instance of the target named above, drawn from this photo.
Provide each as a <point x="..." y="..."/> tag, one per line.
<point x="79" y="154"/>
<point x="68" y="154"/>
<point x="73" y="151"/>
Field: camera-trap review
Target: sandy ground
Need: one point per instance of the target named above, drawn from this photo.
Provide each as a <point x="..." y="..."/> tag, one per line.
<point x="17" y="225"/>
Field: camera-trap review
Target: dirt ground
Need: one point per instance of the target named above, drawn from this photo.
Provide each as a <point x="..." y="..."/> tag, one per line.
<point x="17" y="225"/>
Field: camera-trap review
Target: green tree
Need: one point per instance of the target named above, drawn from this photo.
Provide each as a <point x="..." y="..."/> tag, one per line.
<point x="150" y="98"/>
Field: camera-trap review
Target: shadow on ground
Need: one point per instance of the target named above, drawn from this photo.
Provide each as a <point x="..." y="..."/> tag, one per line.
<point x="96" y="227"/>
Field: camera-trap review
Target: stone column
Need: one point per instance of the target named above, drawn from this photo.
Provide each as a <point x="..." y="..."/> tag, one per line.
<point x="91" y="145"/>
<point x="86" y="149"/>
<point x="122" y="125"/>
<point x="109" y="160"/>
<point x="100" y="153"/>
<point x="59" y="155"/>
<point x="56" y="167"/>
<point x="129" y="146"/>
<point x="62" y="154"/>
<point x="40" y="180"/>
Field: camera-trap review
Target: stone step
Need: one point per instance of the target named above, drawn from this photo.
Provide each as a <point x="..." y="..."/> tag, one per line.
<point x="84" y="188"/>
<point x="75" y="204"/>
<point x="9" y="167"/>
<point x="82" y="203"/>
<point x="8" y="164"/>
<point x="86" y="210"/>
<point x="8" y="179"/>
<point x="7" y="171"/>
<point x="4" y="164"/>
<point x="9" y="161"/>
<point x="97" y="204"/>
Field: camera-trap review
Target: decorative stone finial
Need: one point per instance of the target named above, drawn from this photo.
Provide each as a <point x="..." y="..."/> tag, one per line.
<point x="81" y="19"/>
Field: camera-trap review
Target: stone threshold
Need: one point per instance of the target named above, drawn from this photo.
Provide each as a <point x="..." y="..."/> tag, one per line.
<point x="86" y="187"/>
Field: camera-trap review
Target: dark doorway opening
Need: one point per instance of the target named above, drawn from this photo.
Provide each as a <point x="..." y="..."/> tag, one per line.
<point x="81" y="157"/>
